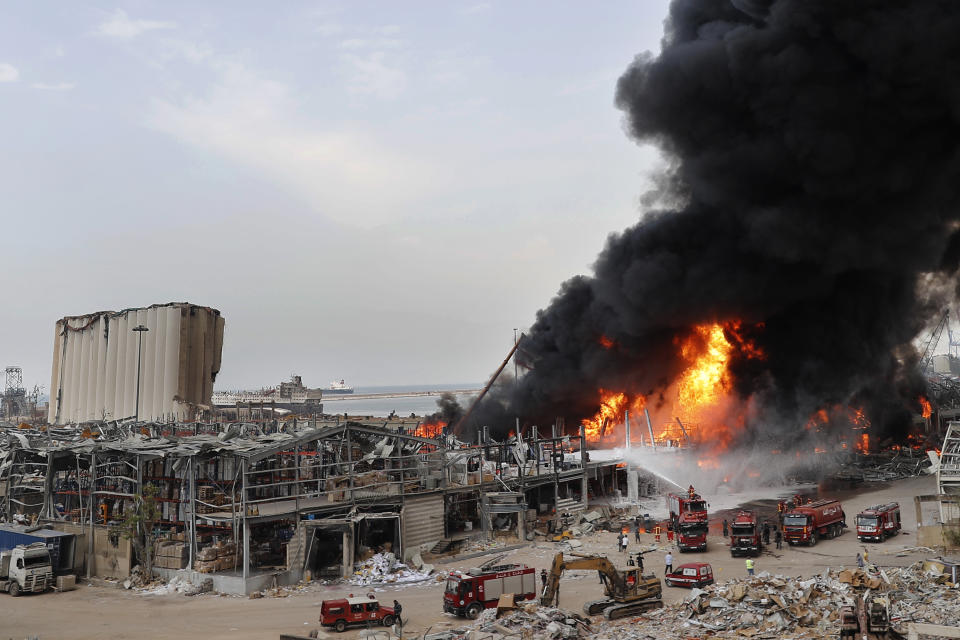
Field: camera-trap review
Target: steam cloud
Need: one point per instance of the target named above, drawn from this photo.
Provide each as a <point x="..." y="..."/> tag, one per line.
<point x="813" y="186"/>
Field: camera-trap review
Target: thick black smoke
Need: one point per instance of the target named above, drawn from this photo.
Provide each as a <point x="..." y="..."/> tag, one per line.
<point x="814" y="187"/>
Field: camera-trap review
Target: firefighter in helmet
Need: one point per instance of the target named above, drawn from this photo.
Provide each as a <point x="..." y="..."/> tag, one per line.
<point x="691" y="492"/>
<point x="656" y="533"/>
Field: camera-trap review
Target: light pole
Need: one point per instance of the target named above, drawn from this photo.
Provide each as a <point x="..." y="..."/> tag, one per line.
<point x="515" y="374"/>
<point x="139" y="329"/>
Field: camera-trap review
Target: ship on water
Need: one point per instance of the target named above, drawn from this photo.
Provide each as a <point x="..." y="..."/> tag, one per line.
<point x="338" y="388"/>
<point x="291" y="394"/>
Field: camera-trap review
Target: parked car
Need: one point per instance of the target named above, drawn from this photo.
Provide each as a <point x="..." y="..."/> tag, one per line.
<point x="692" y="574"/>
<point x="344" y="612"/>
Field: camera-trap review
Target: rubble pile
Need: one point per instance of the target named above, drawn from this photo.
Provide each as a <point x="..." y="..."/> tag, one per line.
<point x="892" y="464"/>
<point x="383" y="568"/>
<point x="530" y="620"/>
<point x="791" y="608"/>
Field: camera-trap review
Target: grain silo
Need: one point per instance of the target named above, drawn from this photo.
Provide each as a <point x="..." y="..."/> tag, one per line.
<point x="95" y="363"/>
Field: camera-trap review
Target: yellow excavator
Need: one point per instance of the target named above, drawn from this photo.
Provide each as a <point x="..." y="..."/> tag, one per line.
<point x="628" y="590"/>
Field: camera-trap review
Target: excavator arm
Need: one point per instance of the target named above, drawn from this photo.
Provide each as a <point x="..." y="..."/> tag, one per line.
<point x="612" y="578"/>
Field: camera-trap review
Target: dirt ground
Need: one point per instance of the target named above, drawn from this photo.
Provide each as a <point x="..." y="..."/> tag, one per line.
<point x="95" y="612"/>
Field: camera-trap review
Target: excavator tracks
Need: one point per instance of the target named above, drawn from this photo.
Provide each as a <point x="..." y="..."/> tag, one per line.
<point x="613" y="610"/>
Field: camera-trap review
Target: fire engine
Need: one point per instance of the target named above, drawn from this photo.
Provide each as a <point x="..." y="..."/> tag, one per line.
<point x="879" y="522"/>
<point x="820" y="518"/>
<point x="467" y="594"/>
<point x="745" y="535"/>
<point x="688" y="517"/>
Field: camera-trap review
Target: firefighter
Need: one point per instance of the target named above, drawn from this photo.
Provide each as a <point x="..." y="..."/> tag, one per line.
<point x="543" y="578"/>
<point x="691" y="492"/>
<point x="636" y="531"/>
<point x="779" y="538"/>
<point x="781" y="508"/>
<point x="766" y="533"/>
<point x="725" y="528"/>
<point x="669" y="534"/>
<point x="640" y="561"/>
<point x="656" y="533"/>
<point x="749" y="564"/>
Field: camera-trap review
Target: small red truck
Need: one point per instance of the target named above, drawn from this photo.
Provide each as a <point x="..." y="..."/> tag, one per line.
<point x="693" y="574"/>
<point x="467" y="594"/>
<point x="879" y="522"/>
<point x="351" y="610"/>
<point x="807" y="523"/>
<point x="688" y="516"/>
<point x="745" y="535"/>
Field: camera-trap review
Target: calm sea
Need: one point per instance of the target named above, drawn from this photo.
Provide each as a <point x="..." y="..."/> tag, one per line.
<point x="381" y="407"/>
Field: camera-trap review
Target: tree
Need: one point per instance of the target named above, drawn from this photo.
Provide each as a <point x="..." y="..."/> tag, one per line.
<point x="137" y="527"/>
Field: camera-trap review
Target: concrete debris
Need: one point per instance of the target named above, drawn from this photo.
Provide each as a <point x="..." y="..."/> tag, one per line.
<point x="383" y="568"/>
<point x="530" y="620"/>
<point x="180" y="585"/>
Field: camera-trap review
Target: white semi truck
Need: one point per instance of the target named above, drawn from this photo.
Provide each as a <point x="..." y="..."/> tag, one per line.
<point x="26" y="569"/>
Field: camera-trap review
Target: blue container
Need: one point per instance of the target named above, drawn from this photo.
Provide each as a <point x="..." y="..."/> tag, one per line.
<point x="59" y="544"/>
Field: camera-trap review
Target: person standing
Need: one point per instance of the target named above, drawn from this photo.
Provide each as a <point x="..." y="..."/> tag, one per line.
<point x="656" y="533"/>
<point x="543" y="579"/>
<point x="859" y="560"/>
<point x="640" y="561"/>
<point x="866" y="557"/>
<point x="749" y="566"/>
<point x="766" y="533"/>
<point x="636" y="531"/>
<point x="624" y="540"/>
<point x="726" y="530"/>
<point x="668" y="563"/>
<point x="779" y="538"/>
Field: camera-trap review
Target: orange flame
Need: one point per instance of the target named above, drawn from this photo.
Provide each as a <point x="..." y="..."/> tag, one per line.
<point x="925" y="405"/>
<point x="430" y="429"/>
<point x="863" y="446"/>
<point x="606" y="342"/>
<point x="702" y="391"/>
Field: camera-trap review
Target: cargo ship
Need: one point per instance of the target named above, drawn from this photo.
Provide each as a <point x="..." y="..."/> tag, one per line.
<point x="338" y="388"/>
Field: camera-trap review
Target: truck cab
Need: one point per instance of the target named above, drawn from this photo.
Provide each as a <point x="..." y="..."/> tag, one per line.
<point x="691" y="533"/>
<point x="693" y="574"/>
<point x="879" y="522"/>
<point x="26" y="569"/>
<point x="344" y="612"/>
<point x="745" y="535"/>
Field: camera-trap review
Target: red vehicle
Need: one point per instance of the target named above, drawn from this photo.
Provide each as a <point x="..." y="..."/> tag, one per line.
<point x="745" y="535"/>
<point x="807" y="523"/>
<point x="879" y="522"/>
<point x="344" y="612"/>
<point x="467" y="594"/>
<point x="693" y="574"/>
<point x="688" y="517"/>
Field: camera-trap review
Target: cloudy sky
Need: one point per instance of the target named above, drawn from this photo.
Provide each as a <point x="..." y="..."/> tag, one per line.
<point x="378" y="191"/>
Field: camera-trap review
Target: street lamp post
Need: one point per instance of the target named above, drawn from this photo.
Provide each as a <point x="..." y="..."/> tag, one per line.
<point x="139" y="329"/>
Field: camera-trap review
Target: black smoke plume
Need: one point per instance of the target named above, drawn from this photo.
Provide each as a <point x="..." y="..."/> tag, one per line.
<point x="813" y="192"/>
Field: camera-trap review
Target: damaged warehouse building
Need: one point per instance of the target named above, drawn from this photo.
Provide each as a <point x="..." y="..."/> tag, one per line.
<point x="255" y="504"/>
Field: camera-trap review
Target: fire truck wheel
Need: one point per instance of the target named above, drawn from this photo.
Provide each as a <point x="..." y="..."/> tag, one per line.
<point x="813" y="539"/>
<point x="340" y="625"/>
<point x="388" y="621"/>
<point x="14" y="589"/>
<point x="473" y="611"/>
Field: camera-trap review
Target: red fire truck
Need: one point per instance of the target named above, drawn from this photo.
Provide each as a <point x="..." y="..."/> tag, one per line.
<point x="688" y="517"/>
<point x="467" y="594"/>
<point x="807" y="523"/>
<point x="879" y="522"/>
<point x="745" y="535"/>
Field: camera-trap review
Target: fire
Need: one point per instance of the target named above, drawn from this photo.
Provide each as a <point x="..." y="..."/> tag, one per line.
<point x="702" y="393"/>
<point x="430" y="429"/>
<point x="925" y="406"/>
<point x="863" y="445"/>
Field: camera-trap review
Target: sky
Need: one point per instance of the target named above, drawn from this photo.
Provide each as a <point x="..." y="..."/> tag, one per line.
<point x="375" y="191"/>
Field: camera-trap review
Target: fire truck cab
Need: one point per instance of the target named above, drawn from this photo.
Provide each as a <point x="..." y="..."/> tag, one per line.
<point x="745" y="535"/>
<point x="467" y="594"/>
<point x="879" y="522"/>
